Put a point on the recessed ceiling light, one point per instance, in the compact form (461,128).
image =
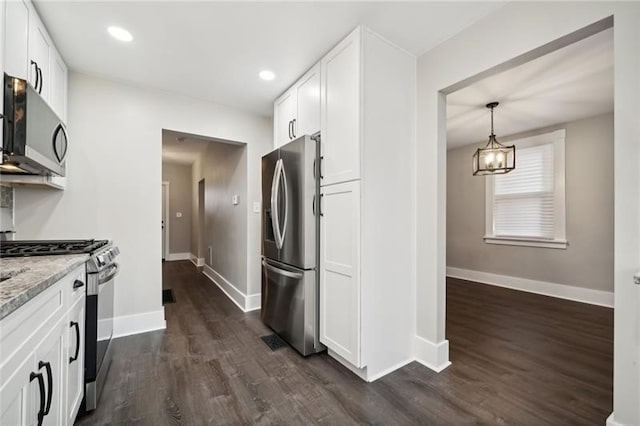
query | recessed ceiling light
(120,33)
(267,75)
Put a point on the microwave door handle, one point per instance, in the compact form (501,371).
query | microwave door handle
(283,174)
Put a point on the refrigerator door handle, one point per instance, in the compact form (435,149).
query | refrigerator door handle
(275,187)
(289,274)
(283,174)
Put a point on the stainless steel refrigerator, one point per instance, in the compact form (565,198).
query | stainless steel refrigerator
(290,243)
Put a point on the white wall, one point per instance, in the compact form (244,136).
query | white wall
(587,262)
(518,30)
(114,174)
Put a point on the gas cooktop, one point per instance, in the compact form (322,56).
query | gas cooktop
(49,247)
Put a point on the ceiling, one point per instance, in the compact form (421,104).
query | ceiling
(185,152)
(569,84)
(214,50)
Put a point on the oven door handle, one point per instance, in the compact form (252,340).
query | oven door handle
(114,271)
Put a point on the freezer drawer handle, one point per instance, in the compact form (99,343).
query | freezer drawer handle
(296,275)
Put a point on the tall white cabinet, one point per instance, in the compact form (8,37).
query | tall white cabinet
(367,302)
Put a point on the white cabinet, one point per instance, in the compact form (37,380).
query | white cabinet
(37,342)
(16,38)
(367,225)
(75,359)
(340,129)
(30,54)
(283,116)
(39,56)
(339,270)
(297,111)
(58,88)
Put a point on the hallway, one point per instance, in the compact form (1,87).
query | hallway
(211,367)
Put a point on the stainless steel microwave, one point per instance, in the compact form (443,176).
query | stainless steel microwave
(35,139)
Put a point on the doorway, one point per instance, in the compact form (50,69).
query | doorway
(164,224)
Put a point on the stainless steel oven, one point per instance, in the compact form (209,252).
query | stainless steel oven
(101,272)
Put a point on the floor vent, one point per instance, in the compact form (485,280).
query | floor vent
(167,296)
(274,342)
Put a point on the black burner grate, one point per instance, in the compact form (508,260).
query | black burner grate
(49,247)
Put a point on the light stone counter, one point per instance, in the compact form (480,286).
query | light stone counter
(30,276)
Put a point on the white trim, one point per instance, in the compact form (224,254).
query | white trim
(178,256)
(167,242)
(562,291)
(127,325)
(434,356)
(528,242)
(197,261)
(245,302)
(611,421)
(374,377)
(360,372)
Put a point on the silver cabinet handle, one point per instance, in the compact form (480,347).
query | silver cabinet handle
(295,275)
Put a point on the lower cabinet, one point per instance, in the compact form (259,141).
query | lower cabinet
(75,359)
(42,357)
(340,302)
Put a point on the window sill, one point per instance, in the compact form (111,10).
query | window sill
(528,242)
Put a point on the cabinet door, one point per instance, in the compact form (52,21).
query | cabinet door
(340,102)
(58,92)
(75,360)
(308,103)
(39,53)
(49,358)
(340,270)
(16,407)
(283,116)
(16,24)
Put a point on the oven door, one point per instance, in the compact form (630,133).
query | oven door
(99,331)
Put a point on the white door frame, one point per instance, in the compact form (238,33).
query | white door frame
(165,249)
(439,73)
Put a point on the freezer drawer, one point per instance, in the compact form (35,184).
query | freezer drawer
(290,305)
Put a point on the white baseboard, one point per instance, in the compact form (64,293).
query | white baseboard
(178,256)
(245,302)
(577,294)
(432,355)
(139,323)
(197,261)
(612,422)
(376,376)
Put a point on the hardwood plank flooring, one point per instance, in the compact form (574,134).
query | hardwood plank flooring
(518,359)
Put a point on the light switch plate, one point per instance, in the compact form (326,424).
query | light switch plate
(256,206)
(235,199)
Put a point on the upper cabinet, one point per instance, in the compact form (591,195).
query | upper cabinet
(16,38)
(297,111)
(341,91)
(31,55)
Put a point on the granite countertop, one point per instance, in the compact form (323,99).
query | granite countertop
(23,278)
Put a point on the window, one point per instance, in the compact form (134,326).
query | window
(527,206)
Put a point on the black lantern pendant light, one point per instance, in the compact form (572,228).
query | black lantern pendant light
(494,158)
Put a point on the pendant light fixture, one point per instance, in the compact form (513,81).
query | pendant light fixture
(494,158)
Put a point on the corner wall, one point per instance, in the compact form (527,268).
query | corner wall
(526,31)
(113,182)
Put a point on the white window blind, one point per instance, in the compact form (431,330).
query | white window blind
(523,204)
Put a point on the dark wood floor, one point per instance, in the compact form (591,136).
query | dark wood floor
(518,359)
